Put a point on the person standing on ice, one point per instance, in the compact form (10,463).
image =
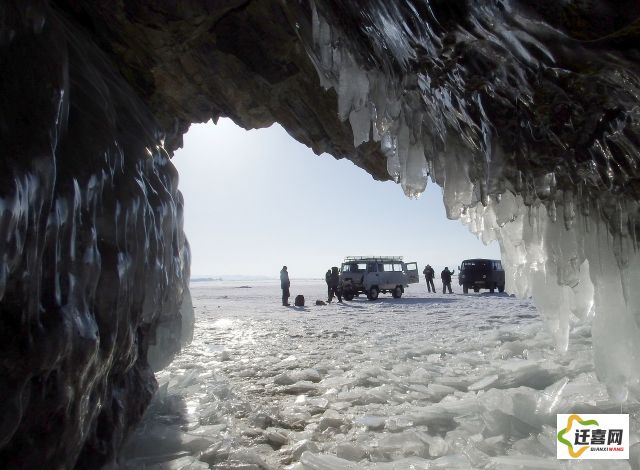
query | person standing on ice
(284,285)
(445,275)
(429,274)
(327,278)
(334,283)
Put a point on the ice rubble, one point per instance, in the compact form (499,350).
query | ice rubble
(578,265)
(433,388)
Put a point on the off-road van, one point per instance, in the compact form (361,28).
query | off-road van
(371,275)
(479,274)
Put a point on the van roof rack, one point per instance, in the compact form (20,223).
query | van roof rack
(373,258)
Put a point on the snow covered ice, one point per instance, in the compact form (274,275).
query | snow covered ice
(429,381)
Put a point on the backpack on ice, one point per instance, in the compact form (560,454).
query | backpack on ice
(299,301)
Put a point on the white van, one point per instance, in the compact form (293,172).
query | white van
(371,275)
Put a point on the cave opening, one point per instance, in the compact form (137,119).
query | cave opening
(256,200)
(253,201)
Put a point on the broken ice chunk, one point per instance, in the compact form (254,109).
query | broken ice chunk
(436,392)
(419,375)
(301,387)
(303,446)
(551,396)
(310,375)
(484,383)
(276,437)
(326,462)
(451,462)
(348,451)
(398,423)
(331,419)
(312,405)
(183,463)
(524,462)
(371,422)
(284,379)
(247,456)
(460,383)
(437,446)
(295,419)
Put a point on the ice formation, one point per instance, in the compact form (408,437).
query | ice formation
(526,113)
(567,236)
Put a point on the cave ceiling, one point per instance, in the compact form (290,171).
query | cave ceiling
(557,82)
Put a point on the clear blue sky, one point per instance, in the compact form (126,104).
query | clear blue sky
(257,200)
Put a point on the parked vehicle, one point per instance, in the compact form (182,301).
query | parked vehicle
(372,275)
(479,274)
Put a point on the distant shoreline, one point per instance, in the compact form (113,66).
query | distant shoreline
(231,278)
(265,278)
(249,279)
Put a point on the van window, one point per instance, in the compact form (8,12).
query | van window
(412,267)
(477,265)
(397,267)
(387,268)
(354,268)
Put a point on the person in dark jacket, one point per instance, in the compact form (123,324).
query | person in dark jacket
(284,285)
(445,275)
(429,274)
(327,278)
(334,285)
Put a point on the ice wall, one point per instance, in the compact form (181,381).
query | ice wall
(93,258)
(531,132)
(173,331)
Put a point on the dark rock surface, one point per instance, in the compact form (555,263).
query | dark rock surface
(538,98)
(193,60)
(93,257)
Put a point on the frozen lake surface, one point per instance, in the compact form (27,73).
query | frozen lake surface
(428,381)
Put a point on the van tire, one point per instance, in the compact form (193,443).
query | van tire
(476,289)
(492,289)
(397,292)
(465,289)
(348,295)
(501,288)
(373,293)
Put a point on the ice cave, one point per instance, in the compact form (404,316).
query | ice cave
(527,115)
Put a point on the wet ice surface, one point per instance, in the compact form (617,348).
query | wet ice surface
(429,381)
